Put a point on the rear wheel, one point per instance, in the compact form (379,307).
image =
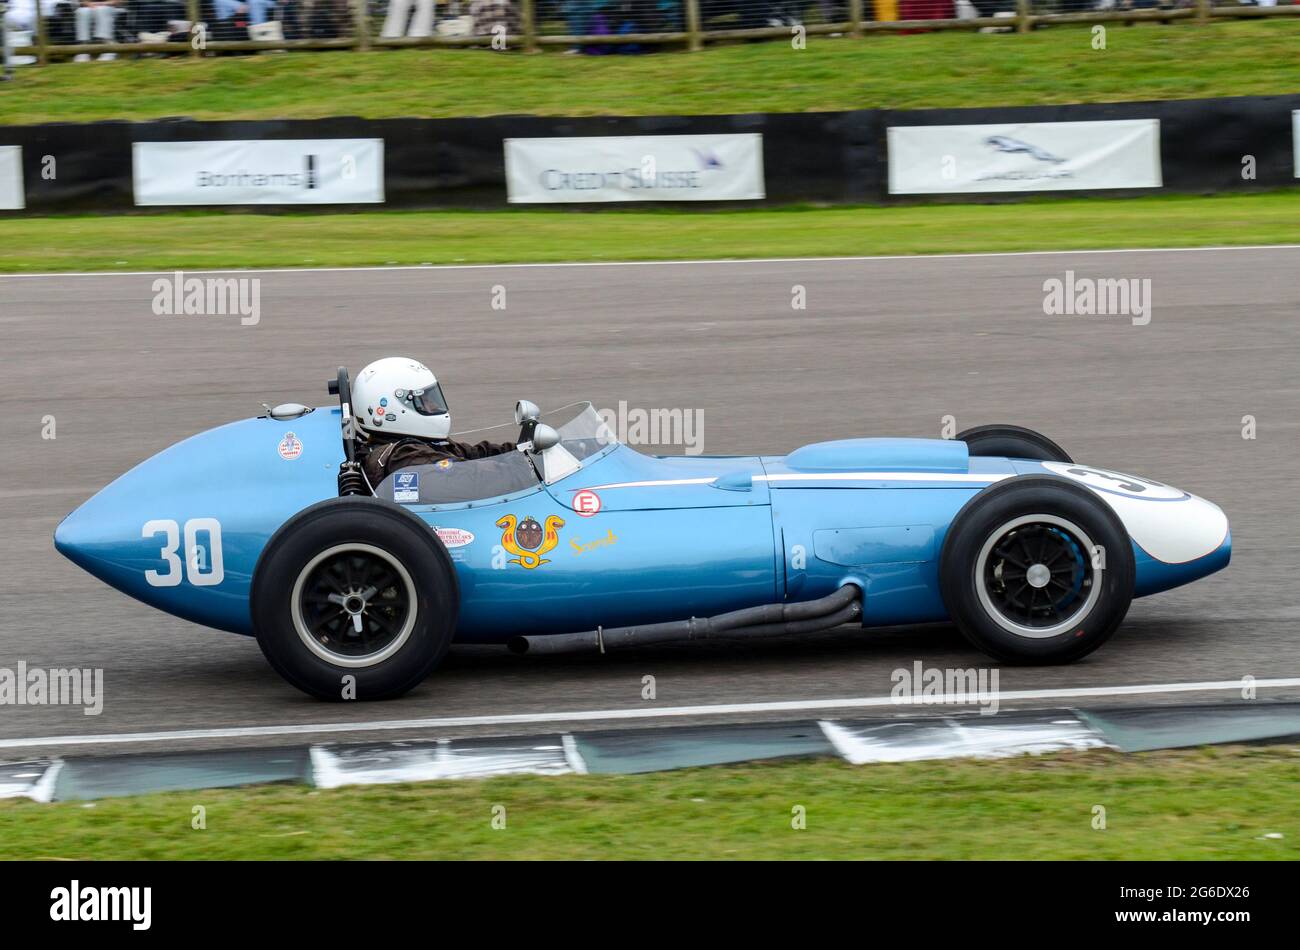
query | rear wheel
(1037,569)
(1012,442)
(354,598)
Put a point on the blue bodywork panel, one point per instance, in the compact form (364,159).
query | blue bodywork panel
(668,538)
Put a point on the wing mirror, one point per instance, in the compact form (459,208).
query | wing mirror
(556,461)
(526,411)
(545,437)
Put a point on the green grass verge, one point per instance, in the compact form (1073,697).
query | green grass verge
(218,240)
(1178,61)
(1205,804)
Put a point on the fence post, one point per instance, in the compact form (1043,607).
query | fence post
(1203,11)
(530,26)
(192,11)
(41,57)
(1023,23)
(361,23)
(693,24)
(855,15)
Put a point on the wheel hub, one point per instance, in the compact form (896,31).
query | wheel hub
(1038,575)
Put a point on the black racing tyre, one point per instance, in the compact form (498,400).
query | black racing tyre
(1014,442)
(1037,570)
(354,587)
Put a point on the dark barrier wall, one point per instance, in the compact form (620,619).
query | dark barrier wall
(825,157)
(449,163)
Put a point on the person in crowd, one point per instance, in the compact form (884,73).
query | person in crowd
(316,19)
(153,16)
(489,15)
(249,12)
(96,22)
(21,14)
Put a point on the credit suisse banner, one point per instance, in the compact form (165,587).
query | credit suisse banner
(725,167)
(1029,156)
(11,178)
(265,172)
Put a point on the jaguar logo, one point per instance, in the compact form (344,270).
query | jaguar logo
(528,541)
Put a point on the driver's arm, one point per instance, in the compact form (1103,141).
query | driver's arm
(480,450)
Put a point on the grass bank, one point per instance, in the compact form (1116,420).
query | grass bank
(1178,61)
(1220,803)
(219,240)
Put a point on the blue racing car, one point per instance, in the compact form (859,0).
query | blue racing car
(269,527)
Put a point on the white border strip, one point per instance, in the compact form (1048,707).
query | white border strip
(43,790)
(670,263)
(572,755)
(867,476)
(662,712)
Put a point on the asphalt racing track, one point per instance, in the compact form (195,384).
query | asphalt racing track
(885,346)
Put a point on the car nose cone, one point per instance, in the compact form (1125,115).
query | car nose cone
(87,534)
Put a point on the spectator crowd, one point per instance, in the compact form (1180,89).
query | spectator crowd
(158,21)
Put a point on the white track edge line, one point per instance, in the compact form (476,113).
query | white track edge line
(665,263)
(662,712)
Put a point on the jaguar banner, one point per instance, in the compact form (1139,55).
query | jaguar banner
(265,172)
(1030,156)
(724,167)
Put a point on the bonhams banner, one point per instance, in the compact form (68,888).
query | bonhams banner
(11,178)
(635,168)
(266,172)
(1031,156)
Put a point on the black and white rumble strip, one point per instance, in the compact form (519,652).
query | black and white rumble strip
(628,751)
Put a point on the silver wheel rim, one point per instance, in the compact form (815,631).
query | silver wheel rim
(1092,576)
(340,659)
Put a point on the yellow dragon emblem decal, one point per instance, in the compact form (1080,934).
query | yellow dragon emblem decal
(528,541)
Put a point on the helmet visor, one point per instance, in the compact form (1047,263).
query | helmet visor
(428,401)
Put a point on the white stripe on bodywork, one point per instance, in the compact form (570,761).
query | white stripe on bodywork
(963,477)
(653,484)
(819,477)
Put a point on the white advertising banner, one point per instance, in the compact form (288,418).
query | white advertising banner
(635,168)
(1295,140)
(11,178)
(1030,156)
(266,172)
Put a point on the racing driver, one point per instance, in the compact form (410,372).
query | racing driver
(404,420)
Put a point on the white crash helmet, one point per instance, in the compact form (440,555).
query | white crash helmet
(400,396)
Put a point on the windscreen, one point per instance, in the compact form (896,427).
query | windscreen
(582,430)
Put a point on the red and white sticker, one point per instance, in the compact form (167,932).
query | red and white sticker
(290,447)
(455,537)
(586,503)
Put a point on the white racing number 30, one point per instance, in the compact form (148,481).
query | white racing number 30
(193,568)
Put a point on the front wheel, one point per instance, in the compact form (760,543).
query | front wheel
(1037,569)
(354,598)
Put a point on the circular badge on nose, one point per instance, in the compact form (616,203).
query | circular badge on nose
(290,447)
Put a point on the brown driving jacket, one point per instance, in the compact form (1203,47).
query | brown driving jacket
(380,457)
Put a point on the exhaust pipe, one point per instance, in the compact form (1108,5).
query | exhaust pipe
(769,620)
